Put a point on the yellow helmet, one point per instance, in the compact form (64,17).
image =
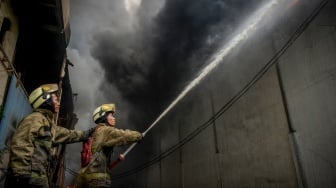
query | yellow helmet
(102,110)
(42,94)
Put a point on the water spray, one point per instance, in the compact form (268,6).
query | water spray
(216,59)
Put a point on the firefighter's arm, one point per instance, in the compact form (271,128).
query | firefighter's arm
(118,137)
(64,135)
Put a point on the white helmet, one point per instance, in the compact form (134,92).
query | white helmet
(42,94)
(102,110)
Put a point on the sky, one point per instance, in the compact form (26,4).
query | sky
(140,54)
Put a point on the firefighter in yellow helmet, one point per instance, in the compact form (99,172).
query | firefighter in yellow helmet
(36,135)
(105,137)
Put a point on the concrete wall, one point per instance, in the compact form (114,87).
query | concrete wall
(9,35)
(11,32)
(255,121)
(308,74)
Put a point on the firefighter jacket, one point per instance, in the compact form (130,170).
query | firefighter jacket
(105,137)
(31,146)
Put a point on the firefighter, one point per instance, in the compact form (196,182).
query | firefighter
(105,137)
(35,138)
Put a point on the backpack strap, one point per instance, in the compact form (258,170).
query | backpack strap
(95,155)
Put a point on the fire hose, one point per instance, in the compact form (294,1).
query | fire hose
(122,156)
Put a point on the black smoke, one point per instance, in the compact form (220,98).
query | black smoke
(151,65)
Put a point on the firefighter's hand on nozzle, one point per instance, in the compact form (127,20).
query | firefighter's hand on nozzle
(121,157)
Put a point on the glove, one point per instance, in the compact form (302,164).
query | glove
(142,136)
(88,133)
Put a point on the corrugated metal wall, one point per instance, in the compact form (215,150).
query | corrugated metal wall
(16,107)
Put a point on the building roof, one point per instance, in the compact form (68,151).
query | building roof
(44,33)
